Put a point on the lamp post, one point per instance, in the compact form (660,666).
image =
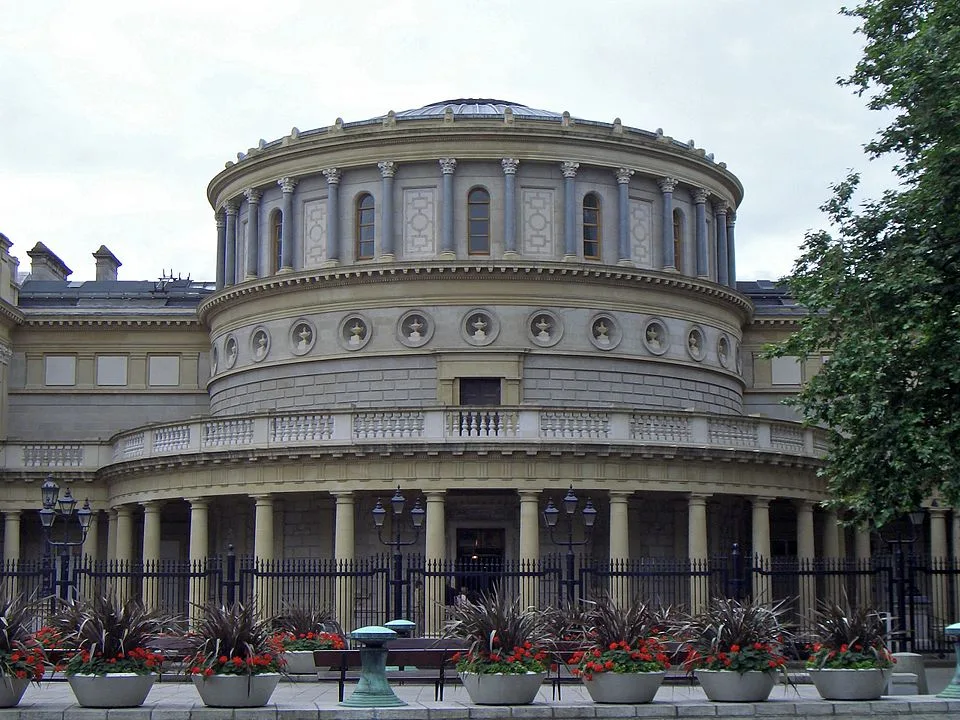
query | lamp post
(65,508)
(551,515)
(417,515)
(900,570)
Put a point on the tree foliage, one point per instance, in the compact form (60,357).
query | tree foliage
(883,285)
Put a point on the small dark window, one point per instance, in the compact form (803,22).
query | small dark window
(677,239)
(365,226)
(480,391)
(276,240)
(478,222)
(591,226)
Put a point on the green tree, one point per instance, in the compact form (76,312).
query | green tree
(883,285)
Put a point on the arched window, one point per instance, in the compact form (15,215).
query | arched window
(478,222)
(592,231)
(365,226)
(678,239)
(276,241)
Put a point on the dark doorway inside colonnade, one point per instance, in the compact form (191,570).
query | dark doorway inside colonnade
(479,561)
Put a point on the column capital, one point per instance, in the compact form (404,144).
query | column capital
(342,494)
(332,175)
(761,501)
(252,195)
(698,498)
(805,505)
(435,495)
(527,494)
(220,219)
(731,217)
(667,184)
(624,495)
(152,505)
(624,175)
(388,168)
(230,207)
(938,512)
(287,184)
(122,510)
(700,196)
(509,166)
(448,165)
(720,206)
(263,499)
(569,168)
(198,502)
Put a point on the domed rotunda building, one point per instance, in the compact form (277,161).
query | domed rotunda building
(478,302)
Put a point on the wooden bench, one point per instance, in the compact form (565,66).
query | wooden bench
(416,659)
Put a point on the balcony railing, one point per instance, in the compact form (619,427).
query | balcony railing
(519,425)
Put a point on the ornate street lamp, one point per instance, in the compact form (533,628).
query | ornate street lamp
(54,507)
(551,517)
(417,515)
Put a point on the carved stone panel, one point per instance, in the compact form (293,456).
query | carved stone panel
(419,223)
(641,233)
(538,226)
(314,233)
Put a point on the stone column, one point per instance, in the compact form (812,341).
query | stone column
(287,242)
(151,552)
(509,166)
(252,254)
(111,535)
(761,547)
(806,553)
(940,560)
(263,553)
(344,549)
(667,186)
(433,614)
(221,247)
(388,169)
(333,216)
(529,545)
(124,547)
(698,550)
(448,250)
(92,542)
(832,554)
(199,551)
(731,251)
(863,554)
(570,250)
(703,263)
(723,268)
(11,547)
(623,211)
(230,250)
(619,546)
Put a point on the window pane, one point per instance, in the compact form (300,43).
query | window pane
(479,211)
(478,196)
(591,234)
(479,227)
(591,249)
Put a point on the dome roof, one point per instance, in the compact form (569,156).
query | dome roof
(476,106)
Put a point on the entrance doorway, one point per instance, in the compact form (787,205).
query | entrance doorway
(479,560)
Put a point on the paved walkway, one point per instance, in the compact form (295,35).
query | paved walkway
(318,701)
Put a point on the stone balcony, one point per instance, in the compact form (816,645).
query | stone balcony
(522,428)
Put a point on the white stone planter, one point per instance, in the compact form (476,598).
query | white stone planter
(733,686)
(236,690)
(851,684)
(629,688)
(502,689)
(299,662)
(113,690)
(11,690)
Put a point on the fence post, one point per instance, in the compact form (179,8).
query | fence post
(230,581)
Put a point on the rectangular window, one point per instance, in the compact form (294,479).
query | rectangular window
(163,371)
(480,391)
(111,370)
(60,370)
(785,371)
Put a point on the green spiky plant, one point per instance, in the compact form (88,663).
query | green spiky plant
(848,638)
(234,641)
(505,637)
(305,628)
(21,656)
(110,636)
(737,635)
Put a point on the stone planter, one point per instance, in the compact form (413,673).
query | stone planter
(733,686)
(851,684)
(299,662)
(113,690)
(629,688)
(233,691)
(502,689)
(12,690)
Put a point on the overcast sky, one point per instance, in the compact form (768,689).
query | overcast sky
(114,116)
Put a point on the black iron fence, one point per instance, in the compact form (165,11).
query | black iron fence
(918,595)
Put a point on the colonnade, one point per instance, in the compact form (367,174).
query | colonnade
(257,253)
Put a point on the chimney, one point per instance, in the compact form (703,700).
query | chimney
(107,264)
(44,265)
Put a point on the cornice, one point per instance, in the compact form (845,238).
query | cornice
(366,274)
(9,314)
(48,319)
